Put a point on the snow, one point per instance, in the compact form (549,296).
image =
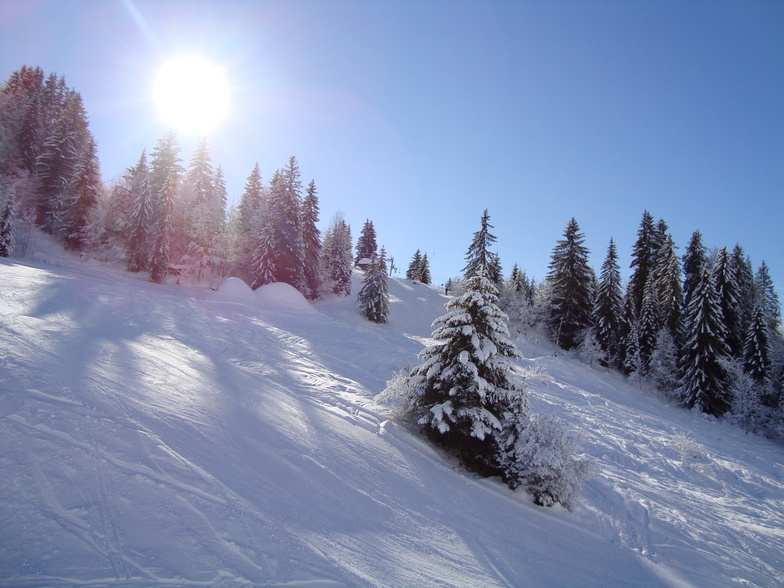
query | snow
(167,435)
(234,290)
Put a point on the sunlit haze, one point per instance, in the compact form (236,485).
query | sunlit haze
(419,115)
(191,94)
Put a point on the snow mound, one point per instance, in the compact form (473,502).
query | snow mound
(235,290)
(282,297)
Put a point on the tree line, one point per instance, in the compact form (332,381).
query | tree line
(163,217)
(703,328)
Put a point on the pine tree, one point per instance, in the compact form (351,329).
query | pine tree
(7,224)
(702,375)
(667,288)
(571,283)
(412,273)
(423,271)
(337,259)
(647,327)
(366,243)
(204,214)
(724,280)
(21,121)
(264,258)
(251,201)
(373,297)
(643,257)
(141,221)
(694,261)
(744,278)
(467,388)
(608,306)
(772,307)
(663,364)
(85,196)
(479,257)
(494,270)
(311,242)
(756,349)
(283,209)
(58,165)
(159,261)
(165,173)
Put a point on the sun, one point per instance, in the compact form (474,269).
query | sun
(192,94)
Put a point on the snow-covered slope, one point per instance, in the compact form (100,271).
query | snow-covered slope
(163,435)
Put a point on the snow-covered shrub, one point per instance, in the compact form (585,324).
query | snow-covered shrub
(690,449)
(544,459)
(400,399)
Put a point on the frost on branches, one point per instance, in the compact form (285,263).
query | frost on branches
(473,403)
(467,386)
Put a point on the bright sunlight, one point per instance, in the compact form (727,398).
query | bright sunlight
(191,94)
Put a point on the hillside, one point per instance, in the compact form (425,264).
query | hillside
(171,436)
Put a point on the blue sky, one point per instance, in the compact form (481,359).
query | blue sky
(419,115)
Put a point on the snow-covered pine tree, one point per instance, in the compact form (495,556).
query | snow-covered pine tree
(283,209)
(647,326)
(165,170)
(702,381)
(756,349)
(336,256)
(494,271)
(159,261)
(468,390)
(414,266)
(59,163)
(423,271)
(203,214)
(248,226)
(772,306)
(479,257)
(21,120)
(264,257)
(744,278)
(725,281)
(165,173)
(251,201)
(7,222)
(643,258)
(663,363)
(366,242)
(608,306)
(141,221)
(667,285)
(572,284)
(85,194)
(311,242)
(221,249)
(694,261)
(373,297)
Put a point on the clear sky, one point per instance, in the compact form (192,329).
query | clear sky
(419,115)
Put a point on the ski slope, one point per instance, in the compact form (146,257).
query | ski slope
(163,435)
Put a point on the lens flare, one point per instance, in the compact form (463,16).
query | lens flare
(191,94)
